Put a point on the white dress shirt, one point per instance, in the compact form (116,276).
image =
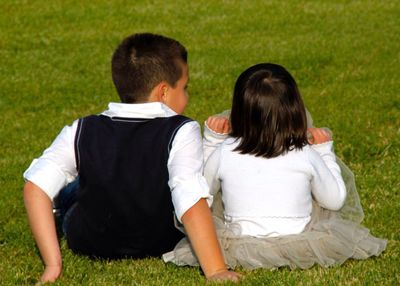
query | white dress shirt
(57,166)
(271,197)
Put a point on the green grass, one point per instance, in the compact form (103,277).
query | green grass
(345,56)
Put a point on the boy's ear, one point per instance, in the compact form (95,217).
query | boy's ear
(160,92)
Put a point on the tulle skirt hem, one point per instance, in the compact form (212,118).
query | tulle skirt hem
(330,238)
(329,242)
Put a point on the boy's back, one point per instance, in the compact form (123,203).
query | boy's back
(124,206)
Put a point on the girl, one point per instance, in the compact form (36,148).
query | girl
(283,195)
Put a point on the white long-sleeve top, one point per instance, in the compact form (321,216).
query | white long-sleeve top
(56,167)
(272,197)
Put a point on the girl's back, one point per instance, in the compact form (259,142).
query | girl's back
(269,197)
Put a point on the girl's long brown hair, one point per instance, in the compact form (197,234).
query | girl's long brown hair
(268,114)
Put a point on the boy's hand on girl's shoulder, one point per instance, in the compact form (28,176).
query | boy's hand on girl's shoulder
(219,124)
(224,276)
(318,135)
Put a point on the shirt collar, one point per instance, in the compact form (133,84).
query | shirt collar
(138,110)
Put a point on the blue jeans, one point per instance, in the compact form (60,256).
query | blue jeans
(65,203)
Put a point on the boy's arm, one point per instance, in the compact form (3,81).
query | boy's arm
(40,214)
(44,178)
(200,229)
(189,193)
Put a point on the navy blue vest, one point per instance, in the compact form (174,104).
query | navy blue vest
(124,206)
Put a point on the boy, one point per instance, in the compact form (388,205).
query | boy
(137,163)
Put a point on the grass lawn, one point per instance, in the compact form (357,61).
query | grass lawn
(345,56)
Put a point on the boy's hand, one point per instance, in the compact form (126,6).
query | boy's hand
(219,124)
(200,229)
(51,273)
(318,135)
(225,275)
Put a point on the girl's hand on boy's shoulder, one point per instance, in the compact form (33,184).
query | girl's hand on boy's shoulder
(318,135)
(218,124)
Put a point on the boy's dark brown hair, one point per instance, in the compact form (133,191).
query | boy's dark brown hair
(144,60)
(268,114)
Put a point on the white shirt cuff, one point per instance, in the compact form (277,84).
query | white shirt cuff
(47,176)
(212,136)
(323,148)
(187,192)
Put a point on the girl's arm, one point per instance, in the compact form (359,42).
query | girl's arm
(327,183)
(216,130)
(40,214)
(211,168)
(200,229)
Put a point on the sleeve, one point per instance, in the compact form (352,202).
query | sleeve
(56,167)
(211,141)
(185,167)
(211,171)
(327,184)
